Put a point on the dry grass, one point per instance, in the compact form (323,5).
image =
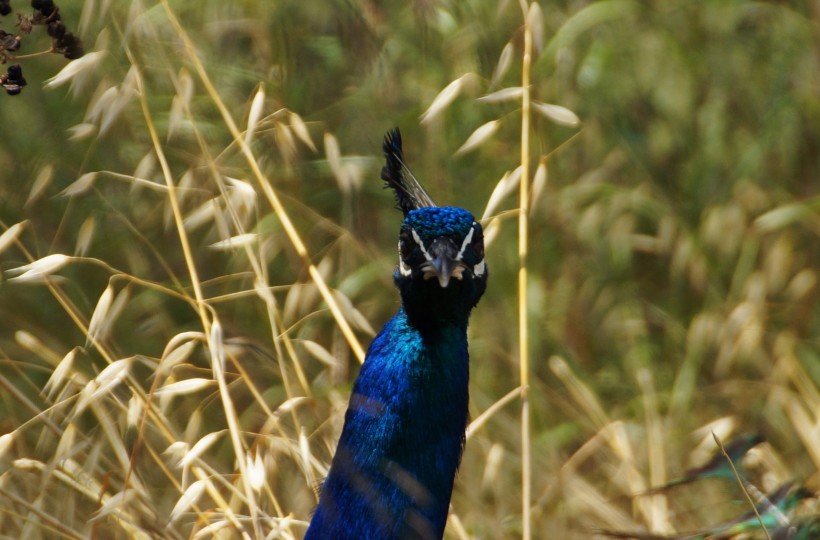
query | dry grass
(188,285)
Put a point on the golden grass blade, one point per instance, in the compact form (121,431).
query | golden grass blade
(145,169)
(82,131)
(199,448)
(120,99)
(300,129)
(177,450)
(505,94)
(491,231)
(482,419)
(257,107)
(492,466)
(478,137)
(285,141)
(113,503)
(58,376)
(535,24)
(352,314)
(38,187)
(189,498)
(11,235)
(334,160)
(235,242)
(304,453)
(202,215)
(85,236)
(108,379)
(212,530)
(320,353)
(256,471)
(65,448)
(444,98)
(539,184)
(723,427)
(99,315)
(801,285)
(188,386)
(40,268)
(32,343)
(135,412)
(457,526)
(177,351)
(113,374)
(79,186)
(76,70)
(242,196)
(503,66)
(558,114)
(508,183)
(787,215)
(6,440)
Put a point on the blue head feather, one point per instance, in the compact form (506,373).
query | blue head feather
(432,222)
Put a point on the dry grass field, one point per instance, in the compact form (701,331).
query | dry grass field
(196,249)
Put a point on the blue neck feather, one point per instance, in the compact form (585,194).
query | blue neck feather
(394,468)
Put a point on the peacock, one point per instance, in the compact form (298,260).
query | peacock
(393,470)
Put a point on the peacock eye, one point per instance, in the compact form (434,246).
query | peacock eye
(406,245)
(478,245)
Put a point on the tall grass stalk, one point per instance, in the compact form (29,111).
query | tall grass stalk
(523,305)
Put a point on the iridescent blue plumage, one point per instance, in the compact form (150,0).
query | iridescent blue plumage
(440,221)
(394,468)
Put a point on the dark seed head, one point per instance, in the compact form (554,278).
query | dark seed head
(56,29)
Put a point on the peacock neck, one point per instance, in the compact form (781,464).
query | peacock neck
(439,323)
(393,471)
(435,400)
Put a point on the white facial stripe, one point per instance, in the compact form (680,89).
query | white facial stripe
(429,272)
(478,270)
(403,268)
(420,244)
(466,242)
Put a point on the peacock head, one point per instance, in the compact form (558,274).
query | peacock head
(441,244)
(441,273)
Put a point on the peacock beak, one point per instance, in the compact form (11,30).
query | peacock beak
(443,263)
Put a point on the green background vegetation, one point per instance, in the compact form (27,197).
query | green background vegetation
(673,268)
